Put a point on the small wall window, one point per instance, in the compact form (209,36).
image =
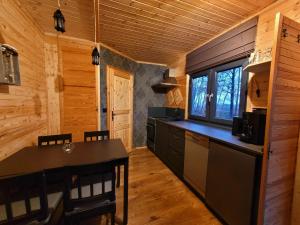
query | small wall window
(218,94)
(9,65)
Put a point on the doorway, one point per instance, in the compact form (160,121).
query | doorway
(120,105)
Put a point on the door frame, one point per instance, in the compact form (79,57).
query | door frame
(109,74)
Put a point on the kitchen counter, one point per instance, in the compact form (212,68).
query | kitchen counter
(217,133)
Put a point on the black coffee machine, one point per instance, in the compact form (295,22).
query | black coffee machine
(251,127)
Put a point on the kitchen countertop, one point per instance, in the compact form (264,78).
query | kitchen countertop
(217,133)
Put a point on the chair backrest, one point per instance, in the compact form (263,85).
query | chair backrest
(89,183)
(54,139)
(23,199)
(96,135)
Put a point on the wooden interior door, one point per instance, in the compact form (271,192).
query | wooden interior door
(120,96)
(79,98)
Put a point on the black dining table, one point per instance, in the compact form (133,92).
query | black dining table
(54,158)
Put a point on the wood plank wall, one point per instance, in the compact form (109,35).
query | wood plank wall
(54,84)
(174,100)
(283,123)
(72,85)
(265,30)
(23,109)
(179,72)
(79,102)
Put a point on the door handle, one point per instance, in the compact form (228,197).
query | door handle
(210,97)
(112,115)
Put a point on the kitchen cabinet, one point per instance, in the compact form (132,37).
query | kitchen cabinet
(169,146)
(232,184)
(195,161)
(227,176)
(176,145)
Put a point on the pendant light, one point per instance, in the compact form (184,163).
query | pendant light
(95,53)
(95,56)
(59,19)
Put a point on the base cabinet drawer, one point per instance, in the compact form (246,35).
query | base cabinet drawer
(169,146)
(176,139)
(175,161)
(176,145)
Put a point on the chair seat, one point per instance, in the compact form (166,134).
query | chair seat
(36,223)
(19,209)
(93,209)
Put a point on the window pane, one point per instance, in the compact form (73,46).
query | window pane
(199,91)
(228,90)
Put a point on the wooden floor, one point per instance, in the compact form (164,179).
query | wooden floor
(158,197)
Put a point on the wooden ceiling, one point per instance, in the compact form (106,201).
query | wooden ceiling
(157,31)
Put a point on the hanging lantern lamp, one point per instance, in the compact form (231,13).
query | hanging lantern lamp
(95,56)
(59,20)
(95,53)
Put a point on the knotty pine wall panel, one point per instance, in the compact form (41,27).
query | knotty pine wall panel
(264,39)
(79,101)
(265,27)
(23,109)
(171,95)
(54,82)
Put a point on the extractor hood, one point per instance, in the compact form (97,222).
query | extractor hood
(166,84)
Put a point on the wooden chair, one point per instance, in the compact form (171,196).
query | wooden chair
(99,136)
(96,135)
(23,200)
(54,139)
(55,181)
(90,192)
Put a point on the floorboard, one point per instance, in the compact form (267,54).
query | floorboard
(158,197)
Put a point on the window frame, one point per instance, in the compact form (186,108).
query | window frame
(212,89)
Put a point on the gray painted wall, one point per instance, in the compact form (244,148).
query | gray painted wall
(144,76)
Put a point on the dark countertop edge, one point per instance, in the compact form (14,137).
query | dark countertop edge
(246,147)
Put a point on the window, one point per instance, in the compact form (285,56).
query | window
(198,95)
(218,94)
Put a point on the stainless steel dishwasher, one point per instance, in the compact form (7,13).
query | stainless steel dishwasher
(195,161)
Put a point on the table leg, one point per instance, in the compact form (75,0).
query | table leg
(118,176)
(125,212)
